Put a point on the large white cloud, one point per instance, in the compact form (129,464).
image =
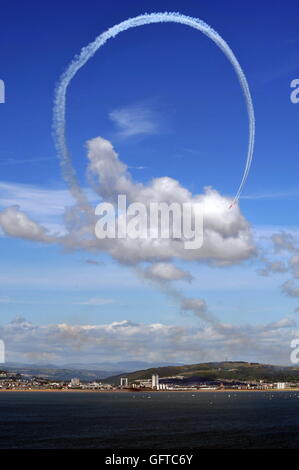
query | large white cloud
(227,235)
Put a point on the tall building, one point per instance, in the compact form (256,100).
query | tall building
(155,381)
(75,382)
(124,381)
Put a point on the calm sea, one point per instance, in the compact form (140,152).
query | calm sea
(149,420)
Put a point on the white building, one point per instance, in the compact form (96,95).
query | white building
(75,382)
(162,387)
(124,382)
(155,381)
(281,385)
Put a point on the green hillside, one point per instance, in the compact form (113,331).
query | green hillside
(238,371)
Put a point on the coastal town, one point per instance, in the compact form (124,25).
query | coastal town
(12,381)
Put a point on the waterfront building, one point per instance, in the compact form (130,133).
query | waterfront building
(155,381)
(124,382)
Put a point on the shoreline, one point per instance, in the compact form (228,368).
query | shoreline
(148,391)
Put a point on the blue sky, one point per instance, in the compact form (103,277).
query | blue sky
(170,103)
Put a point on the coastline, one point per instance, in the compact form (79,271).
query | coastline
(148,391)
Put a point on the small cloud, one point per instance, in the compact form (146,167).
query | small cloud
(134,120)
(94,262)
(137,167)
(289,288)
(166,272)
(273,267)
(96,301)
(19,320)
(283,242)
(5,300)
(16,223)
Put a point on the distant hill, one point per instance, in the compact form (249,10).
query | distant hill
(208,372)
(125,366)
(53,373)
(82,371)
(217,371)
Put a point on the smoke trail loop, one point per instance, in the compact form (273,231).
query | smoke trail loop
(59,118)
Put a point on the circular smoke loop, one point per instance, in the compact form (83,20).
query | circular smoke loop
(59,119)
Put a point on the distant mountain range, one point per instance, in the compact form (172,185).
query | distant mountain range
(91,371)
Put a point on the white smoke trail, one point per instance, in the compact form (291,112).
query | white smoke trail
(59,121)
